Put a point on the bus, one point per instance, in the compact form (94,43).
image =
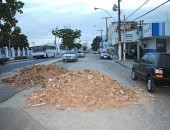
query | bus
(43,51)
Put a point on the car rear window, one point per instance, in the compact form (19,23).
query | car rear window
(164,60)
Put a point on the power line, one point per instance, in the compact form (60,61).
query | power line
(137,9)
(152,9)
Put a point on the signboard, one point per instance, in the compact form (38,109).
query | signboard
(147,30)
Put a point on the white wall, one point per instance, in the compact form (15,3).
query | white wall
(151,44)
(131,36)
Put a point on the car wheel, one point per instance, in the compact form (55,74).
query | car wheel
(64,60)
(2,62)
(133,75)
(150,85)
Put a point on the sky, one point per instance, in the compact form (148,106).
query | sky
(40,17)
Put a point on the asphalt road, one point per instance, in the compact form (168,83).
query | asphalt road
(10,66)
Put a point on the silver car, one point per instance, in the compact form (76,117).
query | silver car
(104,55)
(70,56)
(81,54)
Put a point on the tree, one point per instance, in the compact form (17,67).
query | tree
(96,43)
(78,46)
(84,48)
(68,36)
(8,29)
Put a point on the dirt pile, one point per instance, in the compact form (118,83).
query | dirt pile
(86,90)
(35,75)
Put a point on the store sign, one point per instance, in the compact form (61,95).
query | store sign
(129,37)
(147,30)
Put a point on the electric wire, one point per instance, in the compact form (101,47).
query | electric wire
(152,10)
(138,9)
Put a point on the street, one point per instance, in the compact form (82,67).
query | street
(10,66)
(148,116)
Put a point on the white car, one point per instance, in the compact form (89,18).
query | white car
(104,55)
(70,56)
(81,54)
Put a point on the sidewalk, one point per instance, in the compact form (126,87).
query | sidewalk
(128,63)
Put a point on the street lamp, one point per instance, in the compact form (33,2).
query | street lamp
(95,8)
(117,8)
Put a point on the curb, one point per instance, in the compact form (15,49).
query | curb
(119,62)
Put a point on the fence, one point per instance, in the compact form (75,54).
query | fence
(12,53)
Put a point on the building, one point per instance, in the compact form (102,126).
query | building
(156,37)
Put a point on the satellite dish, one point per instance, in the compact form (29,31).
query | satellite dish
(114,7)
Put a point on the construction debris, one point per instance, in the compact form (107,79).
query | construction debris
(36,75)
(87,90)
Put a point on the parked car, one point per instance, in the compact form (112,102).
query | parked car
(95,52)
(104,54)
(154,68)
(81,54)
(3,59)
(70,56)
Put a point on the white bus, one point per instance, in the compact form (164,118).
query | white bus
(43,51)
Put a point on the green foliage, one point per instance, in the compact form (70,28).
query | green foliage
(96,43)
(8,28)
(78,46)
(68,36)
(84,48)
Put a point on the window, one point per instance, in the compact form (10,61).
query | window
(144,58)
(150,59)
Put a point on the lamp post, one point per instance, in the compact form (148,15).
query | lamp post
(95,8)
(117,8)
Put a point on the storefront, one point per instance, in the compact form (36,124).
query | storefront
(156,37)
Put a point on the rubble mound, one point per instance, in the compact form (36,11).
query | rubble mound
(87,90)
(35,75)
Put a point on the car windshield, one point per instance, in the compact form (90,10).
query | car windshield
(69,52)
(164,60)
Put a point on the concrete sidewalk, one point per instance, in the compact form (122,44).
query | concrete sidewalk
(128,63)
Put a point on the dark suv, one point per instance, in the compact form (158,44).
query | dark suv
(153,68)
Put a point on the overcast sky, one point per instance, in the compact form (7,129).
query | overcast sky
(41,16)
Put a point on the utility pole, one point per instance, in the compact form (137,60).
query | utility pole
(119,32)
(124,44)
(106,27)
(101,37)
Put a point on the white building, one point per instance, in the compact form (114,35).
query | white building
(156,37)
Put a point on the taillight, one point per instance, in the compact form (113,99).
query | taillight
(159,73)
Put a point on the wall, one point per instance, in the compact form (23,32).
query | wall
(168,45)
(151,44)
(131,36)
(167,28)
